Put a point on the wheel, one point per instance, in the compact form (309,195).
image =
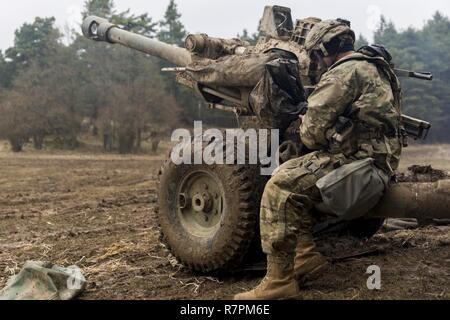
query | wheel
(209,215)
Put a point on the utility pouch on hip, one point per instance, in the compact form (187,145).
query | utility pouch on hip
(351,191)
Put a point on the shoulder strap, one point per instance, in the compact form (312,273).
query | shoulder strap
(383,66)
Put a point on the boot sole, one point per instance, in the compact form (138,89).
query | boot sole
(294,297)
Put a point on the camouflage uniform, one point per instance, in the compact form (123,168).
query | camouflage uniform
(354,114)
(353,86)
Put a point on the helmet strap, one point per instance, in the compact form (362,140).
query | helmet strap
(324,50)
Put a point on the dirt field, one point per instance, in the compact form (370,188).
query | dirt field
(97,212)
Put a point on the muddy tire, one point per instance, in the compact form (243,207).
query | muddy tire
(209,215)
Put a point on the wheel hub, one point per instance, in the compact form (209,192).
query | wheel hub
(200,203)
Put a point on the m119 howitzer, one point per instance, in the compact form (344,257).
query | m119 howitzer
(200,48)
(209,214)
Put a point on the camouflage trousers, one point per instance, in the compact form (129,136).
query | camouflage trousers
(288,199)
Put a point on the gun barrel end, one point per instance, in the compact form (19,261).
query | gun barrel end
(424,76)
(96,28)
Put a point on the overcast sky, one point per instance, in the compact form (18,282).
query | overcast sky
(227,18)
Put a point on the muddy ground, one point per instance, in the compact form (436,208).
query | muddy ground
(97,211)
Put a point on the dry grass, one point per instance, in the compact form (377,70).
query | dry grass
(97,211)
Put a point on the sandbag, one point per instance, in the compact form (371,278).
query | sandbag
(44,281)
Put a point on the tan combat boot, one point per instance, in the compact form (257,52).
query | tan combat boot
(279,283)
(309,264)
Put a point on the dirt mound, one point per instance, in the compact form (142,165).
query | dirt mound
(418,173)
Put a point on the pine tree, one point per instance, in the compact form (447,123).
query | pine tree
(101,8)
(172,29)
(361,41)
(141,24)
(386,32)
(33,43)
(7,72)
(426,49)
(250,38)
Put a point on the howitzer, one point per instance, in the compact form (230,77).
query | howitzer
(209,214)
(201,48)
(99,29)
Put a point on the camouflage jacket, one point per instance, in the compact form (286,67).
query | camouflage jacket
(356,89)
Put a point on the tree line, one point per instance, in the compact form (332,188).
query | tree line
(51,92)
(424,49)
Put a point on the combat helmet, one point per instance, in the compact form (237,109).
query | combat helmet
(327,32)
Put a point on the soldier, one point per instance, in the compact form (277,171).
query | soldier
(353,114)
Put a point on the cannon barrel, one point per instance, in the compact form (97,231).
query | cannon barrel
(99,29)
(429,200)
